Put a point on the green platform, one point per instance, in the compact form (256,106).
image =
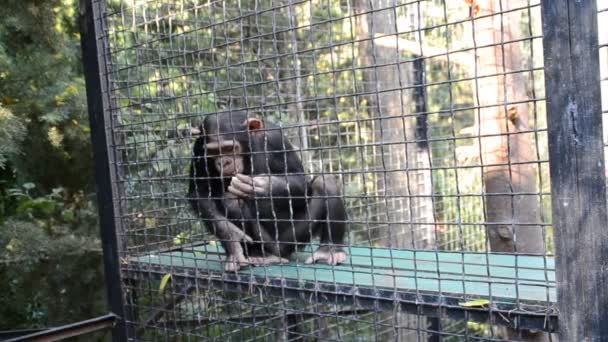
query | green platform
(498,277)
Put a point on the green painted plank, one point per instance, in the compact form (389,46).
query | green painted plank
(446,272)
(450,263)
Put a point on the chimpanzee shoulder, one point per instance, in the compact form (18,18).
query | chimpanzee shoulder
(279,155)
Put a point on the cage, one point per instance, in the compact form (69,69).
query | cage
(437,120)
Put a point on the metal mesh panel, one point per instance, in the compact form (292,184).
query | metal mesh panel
(431,117)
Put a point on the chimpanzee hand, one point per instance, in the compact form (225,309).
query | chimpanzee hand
(331,255)
(245,186)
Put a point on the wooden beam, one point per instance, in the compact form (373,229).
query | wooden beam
(576,151)
(391,41)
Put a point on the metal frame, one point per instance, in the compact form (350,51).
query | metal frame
(430,305)
(69,330)
(577,174)
(94,53)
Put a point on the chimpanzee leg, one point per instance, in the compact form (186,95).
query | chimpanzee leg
(333,229)
(333,221)
(325,216)
(265,250)
(301,229)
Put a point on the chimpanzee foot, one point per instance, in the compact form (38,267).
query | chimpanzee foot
(234,263)
(267,260)
(328,255)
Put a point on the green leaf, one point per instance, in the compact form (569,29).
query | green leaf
(47,207)
(56,192)
(29,186)
(475,303)
(68,215)
(178,240)
(163,283)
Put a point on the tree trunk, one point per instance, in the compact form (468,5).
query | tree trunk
(512,218)
(403,173)
(403,165)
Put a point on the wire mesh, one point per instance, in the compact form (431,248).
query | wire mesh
(430,115)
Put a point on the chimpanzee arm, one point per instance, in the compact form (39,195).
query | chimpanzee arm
(277,186)
(203,202)
(288,186)
(230,236)
(276,172)
(220,225)
(228,233)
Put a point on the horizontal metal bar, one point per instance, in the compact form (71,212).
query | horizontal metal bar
(70,330)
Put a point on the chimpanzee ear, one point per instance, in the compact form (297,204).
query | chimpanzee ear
(254,124)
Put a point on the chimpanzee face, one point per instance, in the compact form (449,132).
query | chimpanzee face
(226,156)
(224,141)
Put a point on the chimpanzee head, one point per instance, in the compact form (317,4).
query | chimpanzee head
(227,141)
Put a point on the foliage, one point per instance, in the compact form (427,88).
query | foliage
(11,134)
(50,259)
(42,85)
(45,246)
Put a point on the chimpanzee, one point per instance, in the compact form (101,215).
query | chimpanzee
(248,185)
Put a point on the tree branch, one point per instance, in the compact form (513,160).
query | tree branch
(462,58)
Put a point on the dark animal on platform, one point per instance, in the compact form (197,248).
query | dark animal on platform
(248,185)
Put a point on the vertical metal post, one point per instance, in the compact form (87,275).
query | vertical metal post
(96,77)
(420,103)
(433,324)
(578,184)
